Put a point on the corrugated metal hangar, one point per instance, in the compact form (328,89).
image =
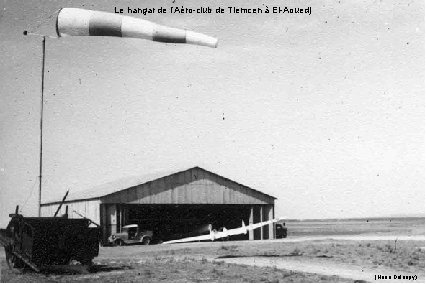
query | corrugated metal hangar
(177,202)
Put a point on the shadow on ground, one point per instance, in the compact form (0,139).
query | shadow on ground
(264,255)
(80,269)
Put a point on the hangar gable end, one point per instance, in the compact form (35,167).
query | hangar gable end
(192,186)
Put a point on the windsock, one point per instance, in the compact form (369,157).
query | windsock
(81,22)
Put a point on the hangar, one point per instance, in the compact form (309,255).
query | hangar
(178,202)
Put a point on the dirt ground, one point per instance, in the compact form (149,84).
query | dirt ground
(315,251)
(323,260)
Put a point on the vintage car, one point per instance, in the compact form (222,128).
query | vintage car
(131,234)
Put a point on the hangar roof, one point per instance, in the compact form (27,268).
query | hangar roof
(133,181)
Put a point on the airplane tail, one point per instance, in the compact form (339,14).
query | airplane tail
(212,233)
(244,227)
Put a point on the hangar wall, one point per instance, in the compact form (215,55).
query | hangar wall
(87,208)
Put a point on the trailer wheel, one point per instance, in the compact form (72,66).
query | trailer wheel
(8,252)
(13,261)
(119,243)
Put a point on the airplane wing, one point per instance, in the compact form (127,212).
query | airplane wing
(190,239)
(214,235)
(258,225)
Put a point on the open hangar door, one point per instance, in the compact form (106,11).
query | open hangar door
(176,221)
(183,220)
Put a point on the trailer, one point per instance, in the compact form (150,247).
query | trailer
(41,242)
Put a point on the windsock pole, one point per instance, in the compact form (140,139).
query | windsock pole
(41,122)
(43,63)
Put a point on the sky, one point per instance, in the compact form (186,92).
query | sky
(323,111)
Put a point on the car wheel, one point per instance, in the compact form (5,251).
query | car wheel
(146,241)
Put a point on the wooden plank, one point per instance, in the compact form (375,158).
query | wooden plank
(195,174)
(179,179)
(261,220)
(139,194)
(270,209)
(171,192)
(147,193)
(251,233)
(188,177)
(199,175)
(103,222)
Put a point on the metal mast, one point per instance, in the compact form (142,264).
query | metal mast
(41,123)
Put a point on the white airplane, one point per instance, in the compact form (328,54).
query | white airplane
(214,235)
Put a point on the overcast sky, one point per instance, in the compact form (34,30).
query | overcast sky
(324,111)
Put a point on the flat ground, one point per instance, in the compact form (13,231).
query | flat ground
(338,257)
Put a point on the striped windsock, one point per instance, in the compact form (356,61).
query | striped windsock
(80,22)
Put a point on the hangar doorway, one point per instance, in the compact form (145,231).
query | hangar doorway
(175,221)
(170,221)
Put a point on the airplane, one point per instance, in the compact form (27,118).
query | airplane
(214,234)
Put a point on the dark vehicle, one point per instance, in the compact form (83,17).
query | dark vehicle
(39,242)
(131,234)
(280,230)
